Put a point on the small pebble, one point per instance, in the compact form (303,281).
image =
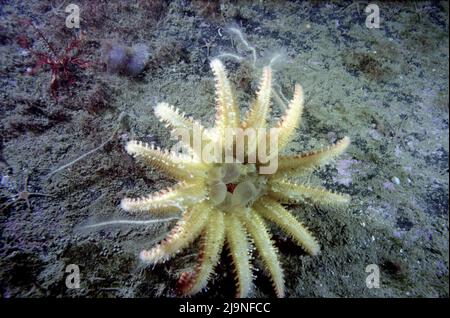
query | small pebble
(5,180)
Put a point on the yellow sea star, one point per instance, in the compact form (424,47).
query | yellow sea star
(231,202)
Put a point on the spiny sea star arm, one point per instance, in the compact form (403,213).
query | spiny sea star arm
(293,165)
(176,120)
(275,212)
(227,113)
(183,234)
(238,244)
(265,246)
(168,200)
(290,121)
(290,192)
(257,114)
(212,242)
(175,165)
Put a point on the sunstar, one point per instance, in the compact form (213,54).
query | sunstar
(231,202)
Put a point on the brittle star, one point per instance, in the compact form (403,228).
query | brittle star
(25,195)
(208,45)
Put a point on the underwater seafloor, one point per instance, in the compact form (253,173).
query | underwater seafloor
(386,88)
